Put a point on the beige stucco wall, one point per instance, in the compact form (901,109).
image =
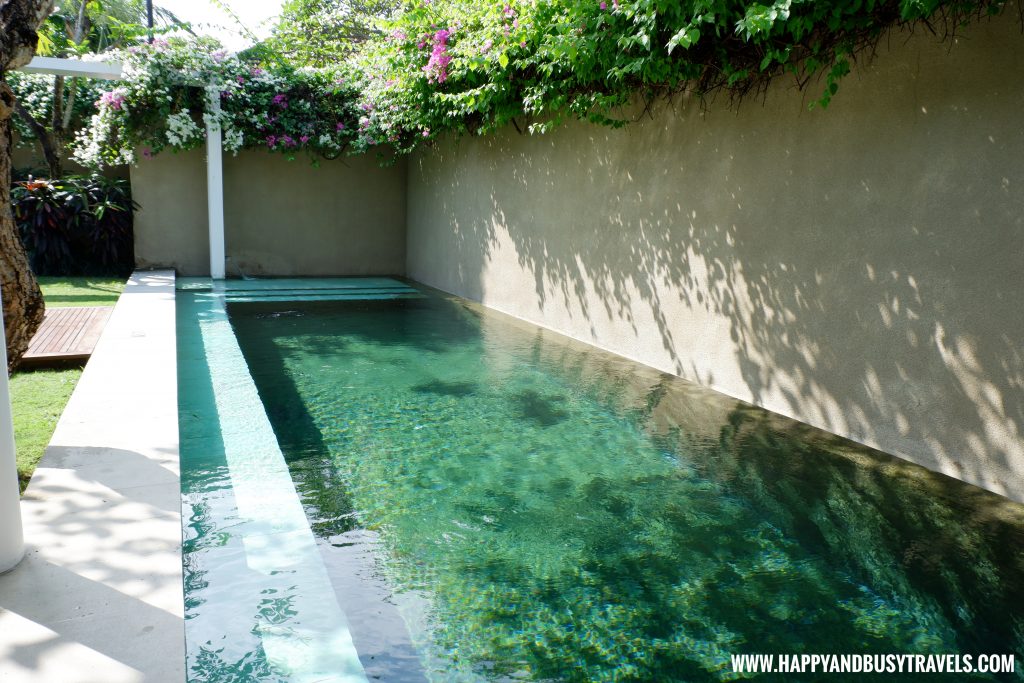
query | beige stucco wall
(345,217)
(170,223)
(858,268)
(28,155)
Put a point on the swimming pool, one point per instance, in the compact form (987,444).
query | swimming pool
(381,482)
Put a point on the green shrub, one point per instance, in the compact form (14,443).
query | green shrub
(79,225)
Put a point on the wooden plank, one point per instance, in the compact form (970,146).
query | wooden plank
(74,340)
(92,333)
(46,331)
(69,333)
(65,322)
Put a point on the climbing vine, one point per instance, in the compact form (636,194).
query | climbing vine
(465,66)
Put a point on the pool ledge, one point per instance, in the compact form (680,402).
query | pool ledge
(98,596)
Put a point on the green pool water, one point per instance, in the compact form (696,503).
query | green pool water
(493,502)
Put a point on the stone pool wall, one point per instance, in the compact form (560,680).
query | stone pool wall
(344,217)
(859,268)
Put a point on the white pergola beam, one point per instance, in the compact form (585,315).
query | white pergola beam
(73,68)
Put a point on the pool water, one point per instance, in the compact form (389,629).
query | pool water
(488,501)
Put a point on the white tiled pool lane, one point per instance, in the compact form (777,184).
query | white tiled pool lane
(269,549)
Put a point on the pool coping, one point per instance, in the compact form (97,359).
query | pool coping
(98,597)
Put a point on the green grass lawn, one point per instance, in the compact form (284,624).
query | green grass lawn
(81,291)
(38,397)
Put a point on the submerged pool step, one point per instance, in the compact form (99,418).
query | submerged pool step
(344,289)
(325,297)
(348,294)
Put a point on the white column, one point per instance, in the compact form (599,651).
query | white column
(215,184)
(12,539)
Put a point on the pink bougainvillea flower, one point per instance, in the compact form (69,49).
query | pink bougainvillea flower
(604,5)
(271,140)
(437,66)
(426,132)
(281,100)
(339,126)
(304,139)
(112,99)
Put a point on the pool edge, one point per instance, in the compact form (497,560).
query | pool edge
(99,594)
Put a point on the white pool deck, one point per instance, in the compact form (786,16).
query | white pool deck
(98,597)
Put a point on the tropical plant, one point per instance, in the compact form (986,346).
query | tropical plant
(320,32)
(160,104)
(23,305)
(50,108)
(469,66)
(465,66)
(77,225)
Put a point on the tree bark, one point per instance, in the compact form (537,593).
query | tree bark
(51,152)
(22,300)
(57,141)
(19,290)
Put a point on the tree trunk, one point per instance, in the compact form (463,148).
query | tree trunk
(22,300)
(54,161)
(47,144)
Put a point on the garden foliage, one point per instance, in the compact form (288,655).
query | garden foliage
(50,108)
(467,66)
(78,225)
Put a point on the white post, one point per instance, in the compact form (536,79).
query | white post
(12,539)
(215,183)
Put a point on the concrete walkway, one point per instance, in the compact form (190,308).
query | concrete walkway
(98,597)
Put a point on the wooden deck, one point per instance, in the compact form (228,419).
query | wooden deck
(67,334)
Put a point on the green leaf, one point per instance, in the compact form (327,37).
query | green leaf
(684,38)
